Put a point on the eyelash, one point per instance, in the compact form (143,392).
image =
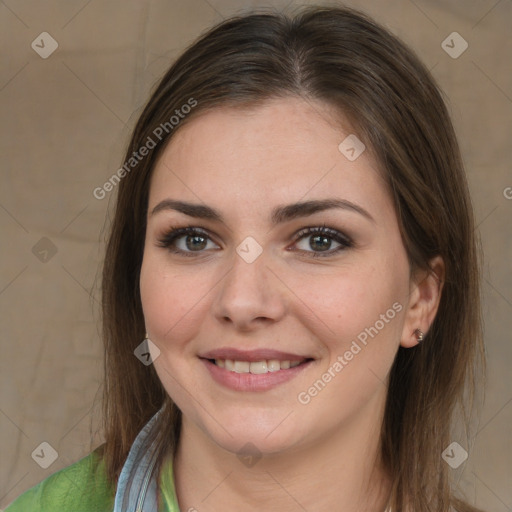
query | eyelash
(170,237)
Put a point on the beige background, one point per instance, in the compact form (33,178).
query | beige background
(65,122)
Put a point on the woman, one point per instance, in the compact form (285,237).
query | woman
(290,287)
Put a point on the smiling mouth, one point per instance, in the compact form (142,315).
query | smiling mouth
(257,367)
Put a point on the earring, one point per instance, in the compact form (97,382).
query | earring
(419,335)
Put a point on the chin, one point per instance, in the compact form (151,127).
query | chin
(263,435)
(254,443)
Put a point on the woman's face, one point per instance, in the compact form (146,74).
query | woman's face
(311,320)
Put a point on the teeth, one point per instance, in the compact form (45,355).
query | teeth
(256,367)
(242,366)
(274,365)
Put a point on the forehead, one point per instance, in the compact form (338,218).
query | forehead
(284,150)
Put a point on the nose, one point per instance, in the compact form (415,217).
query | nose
(250,295)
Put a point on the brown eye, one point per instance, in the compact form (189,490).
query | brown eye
(185,241)
(320,239)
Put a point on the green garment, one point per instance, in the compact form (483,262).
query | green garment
(83,487)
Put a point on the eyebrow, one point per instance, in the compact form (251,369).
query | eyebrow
(280,214)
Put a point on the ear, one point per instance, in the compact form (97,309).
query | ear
(424,298)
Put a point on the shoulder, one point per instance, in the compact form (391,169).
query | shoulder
(80,487)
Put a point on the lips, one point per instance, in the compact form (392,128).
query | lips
(254,361)
(253,370)
(253,355)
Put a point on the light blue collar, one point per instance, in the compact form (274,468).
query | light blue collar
(137,486)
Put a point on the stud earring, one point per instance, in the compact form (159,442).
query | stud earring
(419,335)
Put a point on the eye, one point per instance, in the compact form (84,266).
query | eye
(192,241)
(185,241)
(320,240)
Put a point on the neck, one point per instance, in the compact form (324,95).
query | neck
(340,471)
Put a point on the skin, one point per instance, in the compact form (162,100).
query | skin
(323,455)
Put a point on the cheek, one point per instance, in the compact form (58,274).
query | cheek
(349,301)
(170,301)
(363,305)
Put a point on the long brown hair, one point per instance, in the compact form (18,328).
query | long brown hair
(343,58)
